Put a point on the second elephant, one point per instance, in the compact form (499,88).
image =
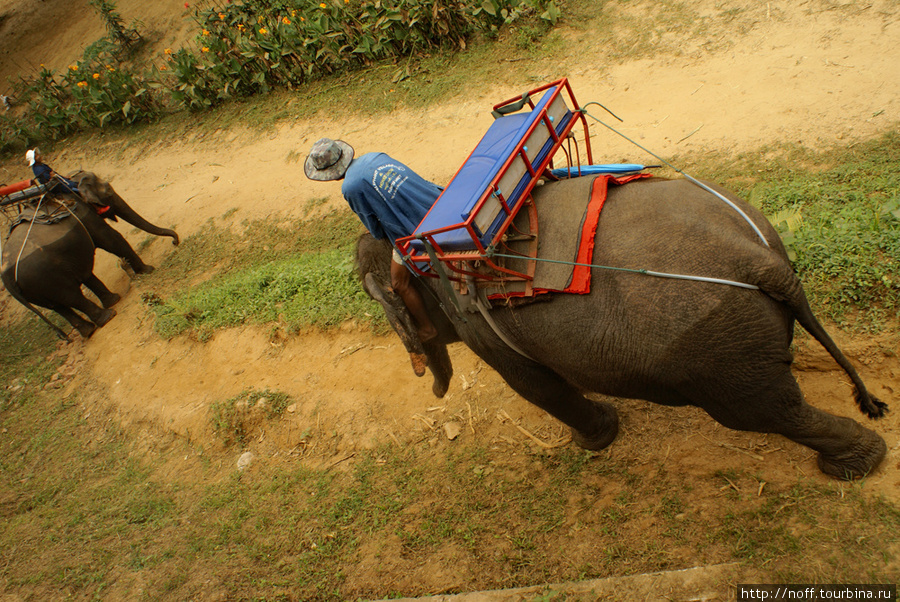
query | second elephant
(47,260)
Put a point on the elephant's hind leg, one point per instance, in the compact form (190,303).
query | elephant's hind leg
(84,327)
(75,299)
(847,450)
(594,424)
(106,296)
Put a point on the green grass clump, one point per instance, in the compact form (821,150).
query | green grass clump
(234,419)
(313,289)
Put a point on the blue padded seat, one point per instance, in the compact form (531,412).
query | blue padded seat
(481,170)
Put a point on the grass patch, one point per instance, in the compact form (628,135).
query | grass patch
(104,516)
(839,215)
(296,275)
(313,289)
(234,419)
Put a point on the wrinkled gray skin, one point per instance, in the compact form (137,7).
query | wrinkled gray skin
(674,342)
(58,258)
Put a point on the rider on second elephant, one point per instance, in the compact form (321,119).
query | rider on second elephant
(389,198)
(43,174)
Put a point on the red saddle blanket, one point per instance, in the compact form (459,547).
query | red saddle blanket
(568,213)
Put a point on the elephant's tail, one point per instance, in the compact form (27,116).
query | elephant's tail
(793,296)
(13,287)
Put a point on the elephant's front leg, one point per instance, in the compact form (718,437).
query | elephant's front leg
(594,424)
(110,240)
(106,296)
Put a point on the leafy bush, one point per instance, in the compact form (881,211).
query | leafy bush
(245,49)
(249,48)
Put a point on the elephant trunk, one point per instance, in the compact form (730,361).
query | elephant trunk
(123,210)
(98,192)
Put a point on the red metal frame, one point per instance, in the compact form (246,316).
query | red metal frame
(455,260)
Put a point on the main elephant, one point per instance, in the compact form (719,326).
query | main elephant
(722,348)
(46,261)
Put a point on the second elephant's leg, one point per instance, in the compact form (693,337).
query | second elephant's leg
(106,296)
(71,298)
(110,240)
(84,328)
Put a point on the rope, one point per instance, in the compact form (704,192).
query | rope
(635,271)
(34,218)
(27,234)
(677,170)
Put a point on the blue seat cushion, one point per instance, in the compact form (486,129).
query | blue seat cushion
(455,205)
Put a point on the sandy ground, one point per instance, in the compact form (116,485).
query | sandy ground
(811,72)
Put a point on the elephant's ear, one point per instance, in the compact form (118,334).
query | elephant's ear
(399,319)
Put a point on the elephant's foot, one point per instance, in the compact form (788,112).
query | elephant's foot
(604,430)
(105,316)
(86,330)
(110,300)
(857,459)
(135,267)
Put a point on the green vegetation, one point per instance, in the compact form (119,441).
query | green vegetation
(839,215)
(295,277)
(233,419)
(245,49)
(174,527)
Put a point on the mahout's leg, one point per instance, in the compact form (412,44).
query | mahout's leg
(440,365)
(106,296)
(847,450)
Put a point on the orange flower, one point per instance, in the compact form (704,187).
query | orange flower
(163,68)
(205,49)
(96,76)
(168,51)
(73,67)
(206,32)
(222,16)
(285,20)
(82,84)
(322,5)
(263,30)
(293,13)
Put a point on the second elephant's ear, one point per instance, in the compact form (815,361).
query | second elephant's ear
(88,187)
(400,320)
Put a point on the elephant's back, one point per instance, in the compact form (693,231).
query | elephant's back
(633,325)
(42,246)
(677,225)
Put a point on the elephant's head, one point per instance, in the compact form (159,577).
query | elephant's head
(373,259)
(100,194)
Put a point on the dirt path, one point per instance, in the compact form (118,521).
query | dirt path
(749,74)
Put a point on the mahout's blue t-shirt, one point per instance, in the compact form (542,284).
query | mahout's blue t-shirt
(389,198)
(43,173)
